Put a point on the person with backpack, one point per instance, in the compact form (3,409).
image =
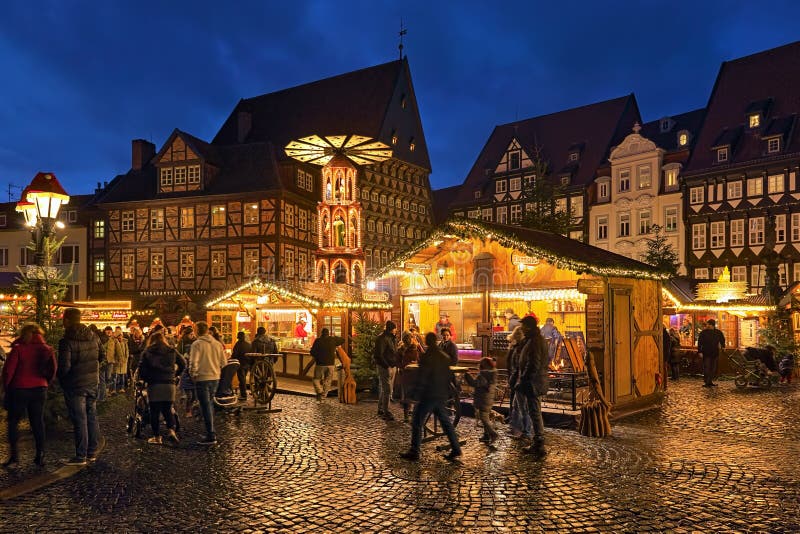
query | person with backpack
(324,353)
(27,373)
(385,357)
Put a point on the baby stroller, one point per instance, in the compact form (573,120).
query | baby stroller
(141,411)
(226,399)
(753,368)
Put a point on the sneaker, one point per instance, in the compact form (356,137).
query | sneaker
(453,455)
(410,455)
(156,440)
(76,461)
(208,440)
(388,417)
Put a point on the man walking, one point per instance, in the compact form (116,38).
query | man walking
(385,356)
(324,353)
(206,360)
(433,391)
(78,357)
(709,344)
(533,381)
(240,349)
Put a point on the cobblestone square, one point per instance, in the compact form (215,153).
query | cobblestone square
(717,460)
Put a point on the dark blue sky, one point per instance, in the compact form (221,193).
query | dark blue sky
(81,79)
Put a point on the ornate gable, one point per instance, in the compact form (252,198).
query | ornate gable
(633,145)
(514,158)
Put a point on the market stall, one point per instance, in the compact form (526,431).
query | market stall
(113,313)
(470,273)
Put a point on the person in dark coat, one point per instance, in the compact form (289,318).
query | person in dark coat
(433,391)
(786,367)
(533,381)
(323,351)
(28,371)
(675,354)
(447,345)
(385,357)
(78,358)
(519,420)
(159,366)
(136,344)
(263,344)
(709,344)
(240,349)
(485,385)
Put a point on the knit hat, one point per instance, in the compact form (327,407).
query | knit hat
(529,321)
(390,326)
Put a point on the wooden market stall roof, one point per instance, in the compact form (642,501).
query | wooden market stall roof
(676,293)
(312,294)
(560,251)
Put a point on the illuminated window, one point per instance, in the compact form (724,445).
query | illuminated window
(754,120)
(515,184)
(624,227)
(645,222)
(218,215)
(755,187)
(561,205)
(696,195)
(394,230)
(735,189)
(251,261)
(302,219)
(756,231)
(500,186)
(645,180)
(180,175)
(288,263)
(99,229)
(405,205)
(475,214)
(739,273)
(573,156)
(683,139)
(370,226)
(187,217)
(383,199)
(737,232)
(699,237)
(717,234)
(671,219)
(414,207)
(288,215)
(411,144)
(602,190)
(187,265)
(722,154)
(576,205)
(701,274)
(218,268)
(502,215)
(602,228)
(774,145)
(670,179)
(758,275)
(128,266)
(157,219)
(380,227)
(775,183)
(99,270)
(193,174)
(251,213)
(302,264)
(795,227)
(128,221)
(166,176)
(624,180)
(565,179)
(157,266)
(373,197)
(486,214)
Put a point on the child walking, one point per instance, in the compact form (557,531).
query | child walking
(786,367)
(483,399)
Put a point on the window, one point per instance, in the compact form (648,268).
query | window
(576,205)
(180,175)
(624,180)
(364,194)
(99,229)
(573,156)
(755,187)
(25,256)
(754,120)
(127,221)
(696,195)
(474,214)
(671,219)
(302,264)
(67,254)
(722,154)
(735,189)
(502,215)
(515,184)
(99,270)
(370,226)
(739,273)
(516,213)
(166,176)
(683,139)
(422,210)
(513,160)
(645,180)
(756,231)
(577,235)
(602,190)
(128,266)
(383,199)
(193,174)
(217,215)
(187,265)
(71,216)
(796,272)
(187,217)
(782,275)
(411,145)
(380,227)
(414,207)
(565,179)
(774,145)
(780,228)
(602,228)
(218,264)
(795,226)
(561,205)
(486,214)
(624,225)
(698,237)
(157,219)
(500,186)
(670,179)
(718,234)
(644,222)
(251,213)
(737,233)
(368,258)
(757,273)
(157,266)
(406,205)
(373,197)
(3,220)
(716,272)
(3,257)
(701,274)
(250,261)
(302,219)
(288,215)
(477,194)
(775,183)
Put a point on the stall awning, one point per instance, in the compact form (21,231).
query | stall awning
(312,294)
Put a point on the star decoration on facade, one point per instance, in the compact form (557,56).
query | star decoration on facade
(320,150)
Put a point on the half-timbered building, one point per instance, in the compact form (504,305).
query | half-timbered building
(195,217)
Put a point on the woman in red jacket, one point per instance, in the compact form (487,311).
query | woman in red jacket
(30,367)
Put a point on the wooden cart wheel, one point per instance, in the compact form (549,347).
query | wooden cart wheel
(453,408)
(262,381)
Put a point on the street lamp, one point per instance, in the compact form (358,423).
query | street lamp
(40,204)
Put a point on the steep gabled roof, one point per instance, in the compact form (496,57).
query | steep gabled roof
(594,128)
(441,202)
(765,81)
(691,121)
(365,102)
(556,249)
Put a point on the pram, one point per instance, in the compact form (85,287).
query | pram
(141,410)
(225,398)
(752,368)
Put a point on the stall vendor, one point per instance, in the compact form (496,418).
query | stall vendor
(300,329)
(444,322)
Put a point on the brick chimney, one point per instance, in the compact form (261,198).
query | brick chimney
(244,123)
(141,152)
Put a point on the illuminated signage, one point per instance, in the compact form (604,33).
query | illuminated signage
(375,296)
(422,268)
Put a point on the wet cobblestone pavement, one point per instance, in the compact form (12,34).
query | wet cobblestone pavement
(715,460)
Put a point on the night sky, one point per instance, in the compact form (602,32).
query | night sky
(81,79)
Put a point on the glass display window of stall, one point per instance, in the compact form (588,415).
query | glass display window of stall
(684,325)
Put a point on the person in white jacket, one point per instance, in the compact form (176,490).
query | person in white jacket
(206,360)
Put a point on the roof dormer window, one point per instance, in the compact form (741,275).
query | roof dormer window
(683,138)
(754,120)
(665,124)
(477,194)
(573,156)
(565,179)
(722,154)
(774,145)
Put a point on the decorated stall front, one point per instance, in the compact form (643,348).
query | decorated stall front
(479,278)
(294,314)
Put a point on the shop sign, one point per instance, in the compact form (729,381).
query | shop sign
(375,296)
(422,268)
(484,329)
(590,286)
(518,259)
(595,326)
(242,316)
(119,315)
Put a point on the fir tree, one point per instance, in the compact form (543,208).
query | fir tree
(363,346)
(660,253)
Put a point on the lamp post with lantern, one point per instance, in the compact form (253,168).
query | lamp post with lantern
(40,203)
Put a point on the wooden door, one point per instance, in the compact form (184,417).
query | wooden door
(623,353)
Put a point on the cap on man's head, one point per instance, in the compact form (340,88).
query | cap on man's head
(390,325)
(712,322)
(529,321)
(261,331)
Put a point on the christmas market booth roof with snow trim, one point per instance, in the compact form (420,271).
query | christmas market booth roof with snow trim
(474,271)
